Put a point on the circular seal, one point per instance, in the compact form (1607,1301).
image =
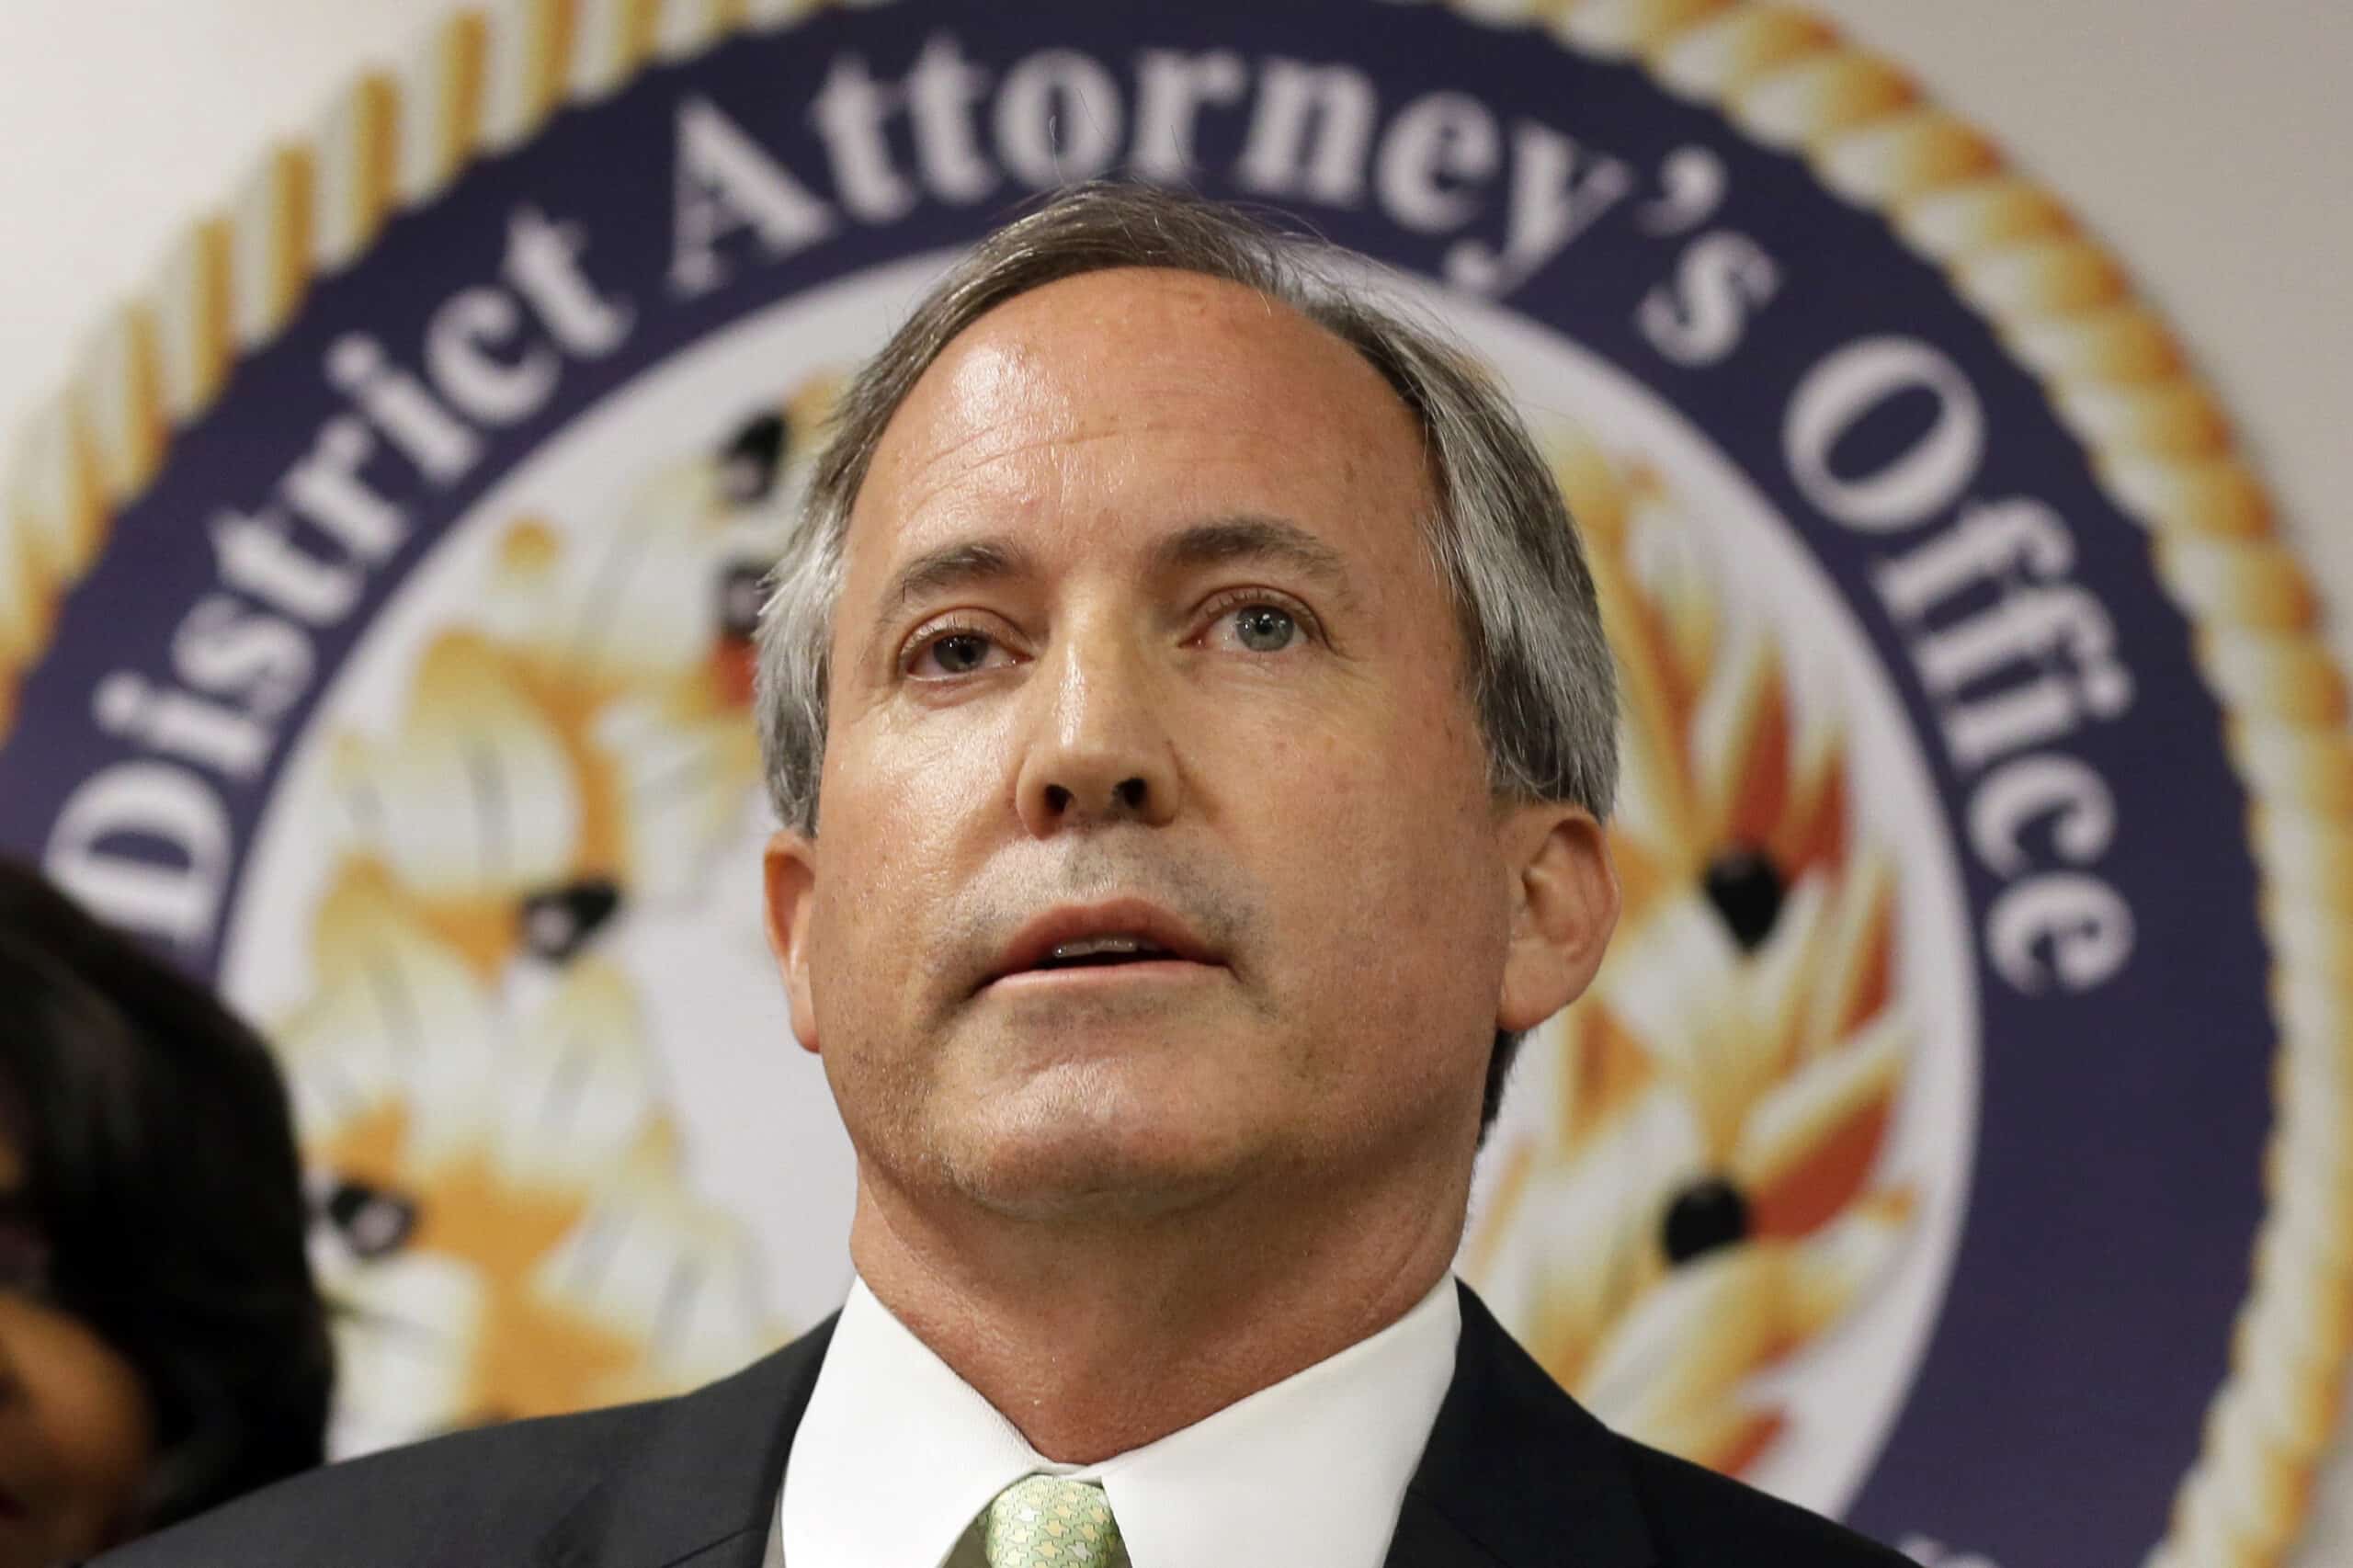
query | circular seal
(374,623)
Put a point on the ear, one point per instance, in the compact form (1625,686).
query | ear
(1564,905)
(789,873)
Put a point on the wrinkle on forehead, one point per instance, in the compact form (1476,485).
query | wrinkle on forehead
(979,404)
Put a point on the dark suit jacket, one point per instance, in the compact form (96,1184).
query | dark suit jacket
(1515,1475)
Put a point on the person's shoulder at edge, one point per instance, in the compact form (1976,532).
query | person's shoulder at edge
(1702,1519)
(673,1475)
(1518,1470)
(494,1489)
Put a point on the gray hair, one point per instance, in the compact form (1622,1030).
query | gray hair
(1537,668)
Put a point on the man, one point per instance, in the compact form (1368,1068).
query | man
(1189,712)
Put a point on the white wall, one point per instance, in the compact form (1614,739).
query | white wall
(2206,142)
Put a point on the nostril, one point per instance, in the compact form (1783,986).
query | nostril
(1131,794)
(1057,799)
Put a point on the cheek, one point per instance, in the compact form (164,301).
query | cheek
(1378,836)
(88,1416)
(898,821)
(910,784)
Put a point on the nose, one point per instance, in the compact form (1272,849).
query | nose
(1097,751)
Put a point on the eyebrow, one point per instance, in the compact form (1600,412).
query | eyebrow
(954,566)
(1222,541)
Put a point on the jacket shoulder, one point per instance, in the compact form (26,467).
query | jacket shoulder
(1701,1519)
(499,1490)
(655,1482)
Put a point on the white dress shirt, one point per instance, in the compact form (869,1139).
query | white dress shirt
(896,1456)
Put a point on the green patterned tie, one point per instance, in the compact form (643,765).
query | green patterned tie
(1043,1521)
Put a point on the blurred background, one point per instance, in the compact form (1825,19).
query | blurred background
(2202,145)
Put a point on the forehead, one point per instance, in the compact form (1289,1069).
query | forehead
(1181,382)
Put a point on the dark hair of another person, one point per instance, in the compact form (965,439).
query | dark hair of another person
(160,1167)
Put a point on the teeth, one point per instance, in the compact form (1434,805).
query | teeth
(1090,946)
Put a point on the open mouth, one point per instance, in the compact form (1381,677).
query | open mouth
(1120,937)
(1101,952)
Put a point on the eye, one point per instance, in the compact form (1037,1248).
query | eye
(1258,624)
(954,650)
(1263,629)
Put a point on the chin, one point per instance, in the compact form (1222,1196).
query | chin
(1066,1149)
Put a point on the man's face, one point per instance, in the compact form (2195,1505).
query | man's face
(1140,647)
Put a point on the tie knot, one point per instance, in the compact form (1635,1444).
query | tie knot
(1044,1521)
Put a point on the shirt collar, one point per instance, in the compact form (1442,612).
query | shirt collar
(897,1454)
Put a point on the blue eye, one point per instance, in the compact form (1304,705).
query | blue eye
(1265,628)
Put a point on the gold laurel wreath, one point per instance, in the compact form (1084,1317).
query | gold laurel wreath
(2063,306)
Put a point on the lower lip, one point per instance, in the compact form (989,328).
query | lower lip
(1146,972)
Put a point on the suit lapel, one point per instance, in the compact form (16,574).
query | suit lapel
(1516,1474)
(703,1485)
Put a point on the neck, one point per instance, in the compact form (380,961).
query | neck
(1099,1335)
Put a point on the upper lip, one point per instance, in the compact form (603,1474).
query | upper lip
(1119,917)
